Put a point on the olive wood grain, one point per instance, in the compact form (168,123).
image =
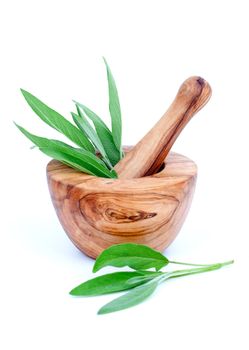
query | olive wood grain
(98,212)
(148,155)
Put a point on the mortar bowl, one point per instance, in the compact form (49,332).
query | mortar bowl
(98,212)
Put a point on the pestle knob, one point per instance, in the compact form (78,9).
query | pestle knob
(148,155)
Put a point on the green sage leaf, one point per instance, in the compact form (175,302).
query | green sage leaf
(83,124)
(112,282)
(103,133)
(114,108)
(136,256)
(79,159)
(57,121)
(133,297)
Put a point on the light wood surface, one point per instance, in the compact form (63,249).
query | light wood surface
(98,212)
(148,155)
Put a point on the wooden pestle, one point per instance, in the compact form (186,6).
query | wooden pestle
(148,155)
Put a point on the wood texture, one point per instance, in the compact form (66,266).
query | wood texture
(98,212)
(149,154)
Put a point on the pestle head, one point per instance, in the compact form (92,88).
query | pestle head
(195,91)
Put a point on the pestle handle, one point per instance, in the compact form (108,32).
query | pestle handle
(149,153)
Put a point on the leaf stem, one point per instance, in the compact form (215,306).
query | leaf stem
(185,272)
(189,264)
(207,265)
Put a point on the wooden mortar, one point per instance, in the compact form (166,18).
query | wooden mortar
(99,212)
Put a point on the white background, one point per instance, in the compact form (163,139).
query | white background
(53,49)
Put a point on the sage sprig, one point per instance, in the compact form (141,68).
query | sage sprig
(98,149)
(138,284)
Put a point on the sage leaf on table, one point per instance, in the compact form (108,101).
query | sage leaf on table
(138,284)
(136,256)
(114,108)
(98,152)
(132,298)
(112,282)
